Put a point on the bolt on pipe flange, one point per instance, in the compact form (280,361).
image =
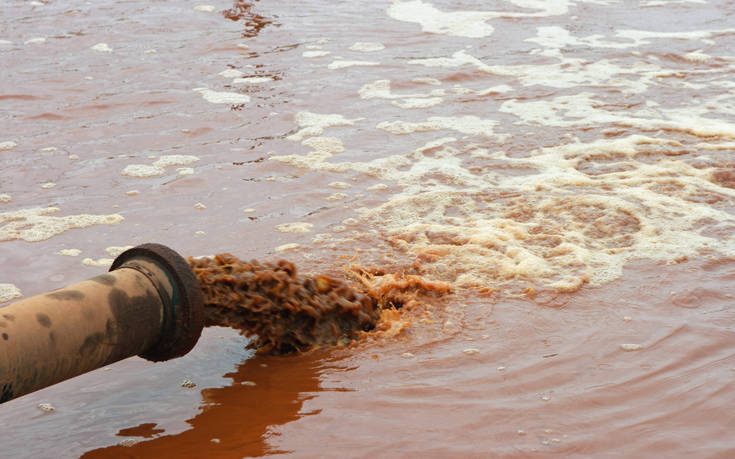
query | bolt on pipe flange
(183,318)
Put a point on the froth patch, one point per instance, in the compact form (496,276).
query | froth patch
(297,227)
(417,102)
(101,48)
(584,109)
(231,73)
(7,145)
(159,166)
(470,124)
(9,292)
(367,47)
(342,64)
(175,160)
(218,97)
(70,252)
(579,214)
(286,247)
(252,80)
(115,250)
(315,53)
(142,171)
(36,224)
(313,124)
(205,8)
(5,198)
(381,89)
(101,262)
(470,24)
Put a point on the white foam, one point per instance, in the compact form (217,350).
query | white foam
(315,53)
(35,41)
(48,185)
(313,124)
(205,8)
(142,170)
(336,197)
(470,24)
(100,262)
(418,102)
(216,97)
(183,171)
(70,252)
(36,224)
(381,89)
(252,80)
(101,48)
(296,227)
(465,124)
(9,292)
(340,185)
(6,43)
(342,64)
(5,198)
(231,73)
(286,247)
(116,250)
(367,47)
(175,160)
(583,109)
(7,145)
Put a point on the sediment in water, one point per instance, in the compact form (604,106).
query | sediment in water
(288,312)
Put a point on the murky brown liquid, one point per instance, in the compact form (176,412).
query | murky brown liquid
(555,177)
(284,311)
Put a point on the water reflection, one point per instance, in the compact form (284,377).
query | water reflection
(265,392)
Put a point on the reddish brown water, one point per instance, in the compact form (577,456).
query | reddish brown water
(566,168)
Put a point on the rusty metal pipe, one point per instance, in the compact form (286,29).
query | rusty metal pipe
(149,304)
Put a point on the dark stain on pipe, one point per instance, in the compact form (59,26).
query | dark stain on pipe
(9,317)
(5,336)
(43,319)
(67,295)
(104,279)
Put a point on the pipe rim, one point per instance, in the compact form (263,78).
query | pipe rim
(184,316)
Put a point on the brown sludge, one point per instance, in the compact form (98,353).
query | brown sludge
(286,311)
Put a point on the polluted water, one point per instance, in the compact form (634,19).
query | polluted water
(287,312)
(509,224)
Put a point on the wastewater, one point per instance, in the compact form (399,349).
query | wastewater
(498,228)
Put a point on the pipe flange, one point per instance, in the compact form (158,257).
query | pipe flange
(183,312)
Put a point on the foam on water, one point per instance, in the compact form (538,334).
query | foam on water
(219,97)
(36,224)
(577,215)
(470,24)
(342,64)
(9,292)
(367,47)
(7,145)
(297,227)
(101,48)
(313,124)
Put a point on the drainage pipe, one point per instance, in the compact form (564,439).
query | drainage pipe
(149,304)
